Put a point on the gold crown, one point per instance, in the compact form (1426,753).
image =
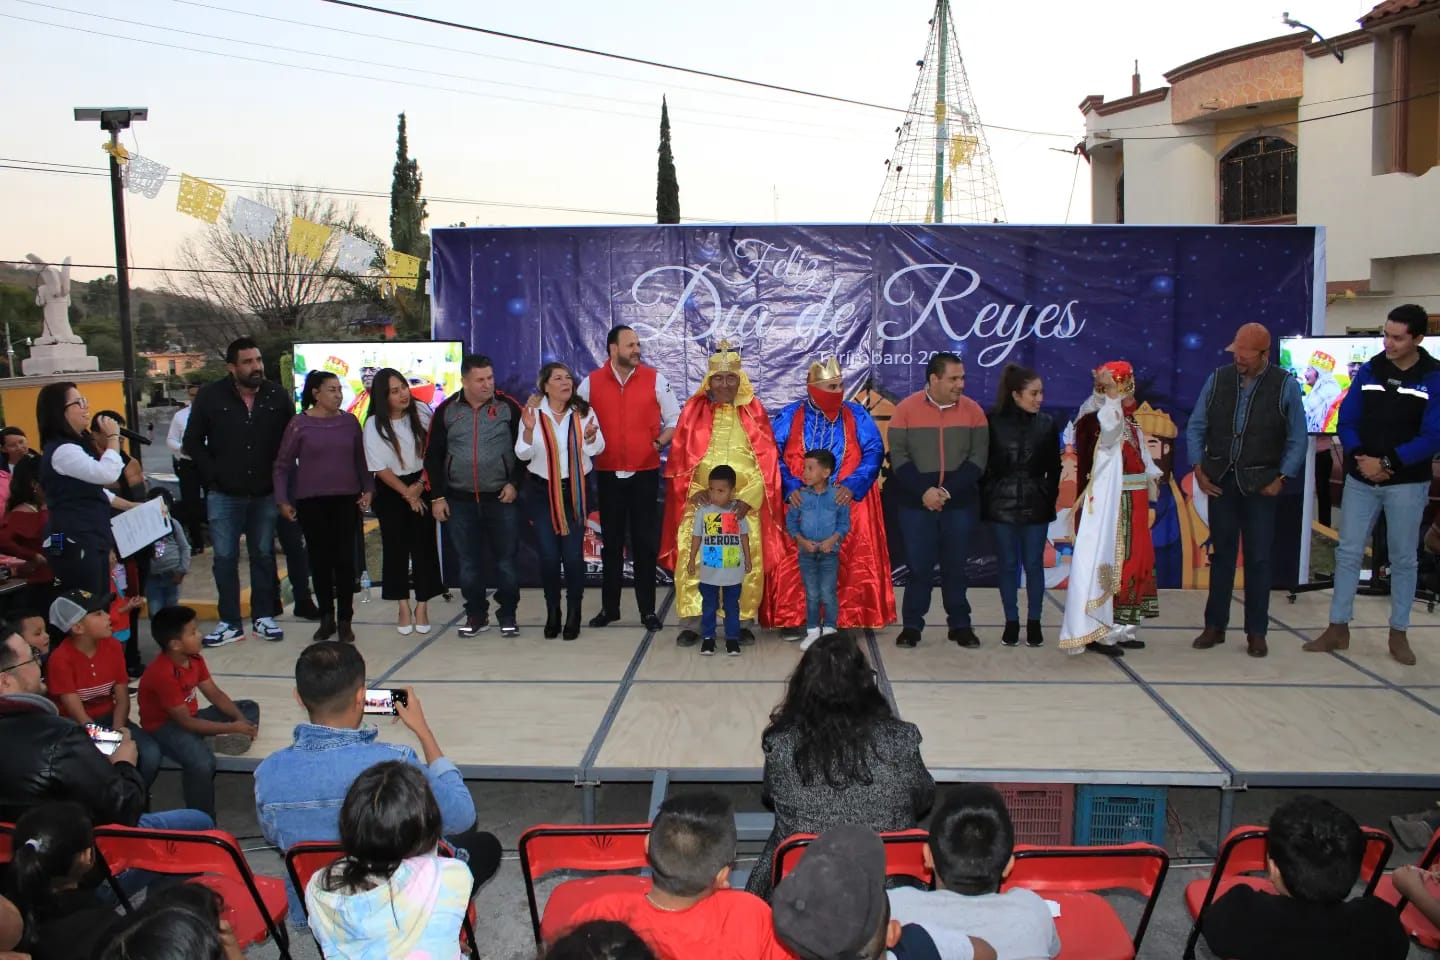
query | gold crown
(828,369)
(1156,423)
(725,359)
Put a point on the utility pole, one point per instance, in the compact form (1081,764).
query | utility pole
(942,21)
(9,350)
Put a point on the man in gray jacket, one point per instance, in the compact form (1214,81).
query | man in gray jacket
(473,477)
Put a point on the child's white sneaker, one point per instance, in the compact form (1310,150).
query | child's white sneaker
(811,635)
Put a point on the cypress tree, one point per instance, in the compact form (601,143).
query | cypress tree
(667,188)
(407,209)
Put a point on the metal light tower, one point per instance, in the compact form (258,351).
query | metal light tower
(941,170)
(113,120)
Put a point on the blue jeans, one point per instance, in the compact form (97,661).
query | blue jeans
(937,537)
(557,550)
(711,597)
(161,591)
(820,571)
(1021,545)
(195,756)
(146,749)
(472,525)
(1237,518)
(1404,504)
(229,517)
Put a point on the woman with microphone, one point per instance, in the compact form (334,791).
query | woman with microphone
(75,469)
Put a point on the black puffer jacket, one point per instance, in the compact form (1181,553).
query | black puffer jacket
(1022,478)
(47,757)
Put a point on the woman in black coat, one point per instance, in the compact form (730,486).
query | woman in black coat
(1022,482)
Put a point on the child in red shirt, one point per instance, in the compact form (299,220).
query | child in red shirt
(86,673)
(170,710)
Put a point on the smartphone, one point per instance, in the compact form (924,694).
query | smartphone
(383,701)
(105,739)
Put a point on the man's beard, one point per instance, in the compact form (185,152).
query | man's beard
(253,380)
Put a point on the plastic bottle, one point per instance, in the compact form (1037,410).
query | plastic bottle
(365,586)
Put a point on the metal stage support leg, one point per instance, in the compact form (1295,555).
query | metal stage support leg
(659,787)
(1227,816)
(587,799)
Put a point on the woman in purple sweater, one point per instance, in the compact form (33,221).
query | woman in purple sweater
(321,479)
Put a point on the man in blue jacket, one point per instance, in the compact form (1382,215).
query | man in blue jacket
(299,790)
(1390,431)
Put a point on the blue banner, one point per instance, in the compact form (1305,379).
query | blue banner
(884,299)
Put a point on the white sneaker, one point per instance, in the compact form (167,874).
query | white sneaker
(811,635)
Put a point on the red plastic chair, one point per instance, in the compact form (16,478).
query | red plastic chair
(256,906)
(304,860)
(904,855)
(1421,930)
(546,848)
(1243,855)
(1088,926)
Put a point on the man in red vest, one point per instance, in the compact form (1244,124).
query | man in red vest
(637,412)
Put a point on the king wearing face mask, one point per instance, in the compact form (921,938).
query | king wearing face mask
(824,420)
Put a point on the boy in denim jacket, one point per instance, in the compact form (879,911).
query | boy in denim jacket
(818,525)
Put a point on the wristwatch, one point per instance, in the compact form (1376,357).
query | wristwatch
(1387,464)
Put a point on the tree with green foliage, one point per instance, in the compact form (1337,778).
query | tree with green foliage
(667,187)
(21,318)
(149,328)
(410,308)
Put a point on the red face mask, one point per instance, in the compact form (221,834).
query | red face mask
(828,402)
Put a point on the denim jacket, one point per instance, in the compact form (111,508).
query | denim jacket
(818,517)
(299,789)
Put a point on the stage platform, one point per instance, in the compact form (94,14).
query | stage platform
(619,704)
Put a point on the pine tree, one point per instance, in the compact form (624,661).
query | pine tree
(407,208)
(667,188)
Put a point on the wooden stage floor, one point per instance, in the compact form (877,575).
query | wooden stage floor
(620,705)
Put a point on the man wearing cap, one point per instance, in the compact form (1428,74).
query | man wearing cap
(833,906)
(1246,435)
(824,420)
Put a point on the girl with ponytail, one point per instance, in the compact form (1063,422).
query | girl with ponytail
(51,876)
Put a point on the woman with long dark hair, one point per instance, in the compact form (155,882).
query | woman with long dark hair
(22,532)
(390,895)
(558,436)
(74,471)
(836,753)
(1018,494)
(322,480)
(395,429)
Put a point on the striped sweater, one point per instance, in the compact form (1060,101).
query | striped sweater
(935,447)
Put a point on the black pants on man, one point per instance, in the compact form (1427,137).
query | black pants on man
(192,502)
(628,506)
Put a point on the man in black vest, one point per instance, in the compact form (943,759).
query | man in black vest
(1245,436)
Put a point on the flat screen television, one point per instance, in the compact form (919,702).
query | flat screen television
(1324,366)
(431,366)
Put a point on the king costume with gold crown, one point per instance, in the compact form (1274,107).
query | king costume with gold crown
(721,424)
(825,420)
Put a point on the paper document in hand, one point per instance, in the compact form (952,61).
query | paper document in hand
(140,526)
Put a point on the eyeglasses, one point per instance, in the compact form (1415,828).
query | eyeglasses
(82,402)
(22,663)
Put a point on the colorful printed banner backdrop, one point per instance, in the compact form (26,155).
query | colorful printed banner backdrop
(884,299)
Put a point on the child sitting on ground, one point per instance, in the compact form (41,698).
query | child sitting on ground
(169,561)
(170,712)
(689,909)
(721,547)
(832,906)
(818,524)
(1313,857)
(971,847)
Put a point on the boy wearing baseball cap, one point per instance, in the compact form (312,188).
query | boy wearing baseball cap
(833,906)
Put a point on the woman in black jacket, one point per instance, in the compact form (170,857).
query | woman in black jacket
(1022,482)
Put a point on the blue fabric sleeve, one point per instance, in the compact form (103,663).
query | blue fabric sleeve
(457,807)
(1199,422)
(780,424)
(1297,437)
(792,519)
(872,452)
(1348,424)
(1426,444)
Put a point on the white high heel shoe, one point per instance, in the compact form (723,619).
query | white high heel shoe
(409,628)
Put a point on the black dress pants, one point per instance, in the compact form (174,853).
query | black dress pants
(628,506)
(330,525)
(409,555)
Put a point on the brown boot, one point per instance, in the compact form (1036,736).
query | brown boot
(1256,645)
(1400,647)
(1335,637)
(1209,637)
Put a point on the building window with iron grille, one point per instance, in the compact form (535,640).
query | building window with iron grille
(1257,182)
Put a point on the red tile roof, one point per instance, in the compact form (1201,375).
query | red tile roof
(1390,8)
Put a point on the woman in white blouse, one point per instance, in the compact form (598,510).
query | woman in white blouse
(558,436)
(395,429)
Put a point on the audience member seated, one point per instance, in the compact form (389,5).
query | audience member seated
(170,712)
(1422,888)
(34,629)
(836,753)
(832,906)
(183,922)
(53,882)
(599,940)
(391,894)
(86,675)
(299,790)
(24,529)
(690,910)
(1315,849)
(48,757)
(971,848)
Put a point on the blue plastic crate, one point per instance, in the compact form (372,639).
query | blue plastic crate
(1108,815)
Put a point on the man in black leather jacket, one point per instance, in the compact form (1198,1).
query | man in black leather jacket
(48,757)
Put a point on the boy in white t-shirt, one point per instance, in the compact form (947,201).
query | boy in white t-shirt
(971,848)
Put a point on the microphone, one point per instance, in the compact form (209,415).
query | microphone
(135,437)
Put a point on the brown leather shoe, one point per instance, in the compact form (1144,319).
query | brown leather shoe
(1209,637)
(1256,646)
(1335,637)
(1400,647)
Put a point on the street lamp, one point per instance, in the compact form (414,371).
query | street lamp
(113,120)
